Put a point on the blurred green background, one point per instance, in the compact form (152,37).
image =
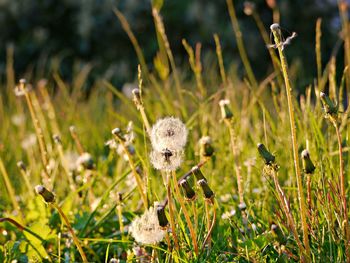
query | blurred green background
(64,35)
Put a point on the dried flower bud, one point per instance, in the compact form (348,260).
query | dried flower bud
(85,161)
(118,133)
(189,192)
(137,97)
(208,193)
(57,139)
(226,113)
(48,196)
(249,8)
(268,157)
(242,206)
(206,148)
(198,173)
(328,105)
(163,220)
(308,166)
(275,27)
(21,166)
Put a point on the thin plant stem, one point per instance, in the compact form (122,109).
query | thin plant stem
(139,105)
(160,28)
(25,176)
(235,157)
(171,209)
(342,189)
(318,50)
(278,39)
(240,44)
(76,139)
(9,187)
(140,186)
(186,214)
(207,214)
(220,60)
(308,187)
(21,227)
(75,239)
(213,221)
(38,130)
(285,206)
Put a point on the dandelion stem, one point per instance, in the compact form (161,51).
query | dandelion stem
(342,188)
(185,211)
(75,239)
(37,128)
(235,157)
(21,227)
(211,227)
(140,186)
(171,210)
(278,39)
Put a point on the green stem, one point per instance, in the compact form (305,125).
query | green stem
(278,40)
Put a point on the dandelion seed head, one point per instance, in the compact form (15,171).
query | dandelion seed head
(169,133)
(146,229)
(165,160)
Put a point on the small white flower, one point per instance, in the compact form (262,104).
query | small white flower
(169,133)
(205,140)
(166,160)
(228,214)
(146,229)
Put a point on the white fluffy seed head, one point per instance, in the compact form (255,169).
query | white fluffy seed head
(169,133)
(224,102)
(205,140)
(163,162)
(146,229)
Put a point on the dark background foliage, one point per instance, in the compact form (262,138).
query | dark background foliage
(74,32)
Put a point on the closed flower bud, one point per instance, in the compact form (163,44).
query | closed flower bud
(242,206)
(163,220)
(268,157)
(118,133)
(308,166)
(206,148)
(189,192)
(85,161)
(21,166)
(137,97)
(198,173)
(208,193)
(57,139)
(48,196)
(328,105)
(226,113)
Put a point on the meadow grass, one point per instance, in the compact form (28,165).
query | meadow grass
(263,176)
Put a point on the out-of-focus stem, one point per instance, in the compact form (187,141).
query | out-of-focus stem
(240,44)
(171,210)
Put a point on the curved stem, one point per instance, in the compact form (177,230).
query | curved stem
(75,239)
(210,230)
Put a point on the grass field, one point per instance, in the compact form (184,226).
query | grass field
(247,170)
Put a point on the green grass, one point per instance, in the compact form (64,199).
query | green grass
(93,199)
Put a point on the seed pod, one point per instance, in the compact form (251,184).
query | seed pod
(48,196)
(268,157)
(208,193)
(328,105)
(163,220)
(226,113)
(206,148)
(57,139)
(308,166)
(189,192)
